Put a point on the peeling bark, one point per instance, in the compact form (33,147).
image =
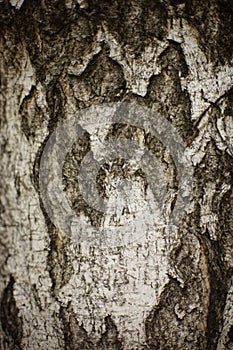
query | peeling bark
(162,291)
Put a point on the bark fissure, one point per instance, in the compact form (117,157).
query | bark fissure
(12,323)
(167,289)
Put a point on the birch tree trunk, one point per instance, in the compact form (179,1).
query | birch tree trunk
(160,286)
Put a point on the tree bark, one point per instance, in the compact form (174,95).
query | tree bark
(165,288)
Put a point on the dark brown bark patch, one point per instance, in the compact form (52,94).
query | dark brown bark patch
(75,335)
(102,81)
(10,320)
(109,339)
(166,93)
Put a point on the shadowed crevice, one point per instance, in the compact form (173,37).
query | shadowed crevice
(11,322)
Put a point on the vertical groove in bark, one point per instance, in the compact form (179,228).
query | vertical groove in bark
(75,335)
(109,340)
(11,322)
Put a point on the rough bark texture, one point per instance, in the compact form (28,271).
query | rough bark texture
(58,57)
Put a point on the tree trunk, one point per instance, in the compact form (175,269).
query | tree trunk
(134,273)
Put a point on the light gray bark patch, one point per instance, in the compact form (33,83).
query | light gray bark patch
(61,40)
(12,325)
(178,321)
(71,182)
(59,262)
